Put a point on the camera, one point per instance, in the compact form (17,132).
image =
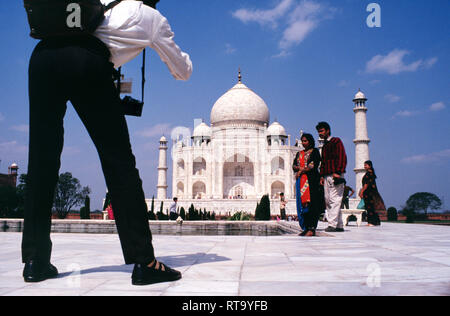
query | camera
(132,107)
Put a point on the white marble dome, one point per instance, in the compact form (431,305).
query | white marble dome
(276,129)
(240,105)
(202,130)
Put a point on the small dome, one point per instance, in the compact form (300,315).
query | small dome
(360,96)
(163,140)
(14,165)
(276,129)
(202,130)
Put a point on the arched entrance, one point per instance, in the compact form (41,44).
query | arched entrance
(238,178)
(276,189)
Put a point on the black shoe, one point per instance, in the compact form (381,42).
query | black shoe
(143,275)
(37,272)
(330,229)
(340,230)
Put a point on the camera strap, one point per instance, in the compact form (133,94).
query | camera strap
(143,74)
(119,76)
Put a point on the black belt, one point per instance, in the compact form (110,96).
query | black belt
(90,42)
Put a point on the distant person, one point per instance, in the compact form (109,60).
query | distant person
(80,69)
(173,210)
(283,203)
(309,198)
(332,171)
(347,196)
(372,198)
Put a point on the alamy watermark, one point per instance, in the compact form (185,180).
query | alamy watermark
(374,278)
(374,18)
(74,18)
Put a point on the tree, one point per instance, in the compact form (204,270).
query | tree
(107,201)
(21,193)
(151,214)
(192,216)
(392,214)
(410,215)
(85,212)
(68,194)
(263,209)
(423,201)
(8,201)
(183,213)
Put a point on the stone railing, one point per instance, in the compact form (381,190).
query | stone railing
(197,228)
(227,207)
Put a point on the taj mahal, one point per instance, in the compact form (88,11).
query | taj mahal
(229,165)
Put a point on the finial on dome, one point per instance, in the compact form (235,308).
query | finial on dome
(240,76)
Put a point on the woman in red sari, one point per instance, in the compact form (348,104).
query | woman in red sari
(309,201)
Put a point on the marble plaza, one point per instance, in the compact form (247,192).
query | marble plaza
(394,259)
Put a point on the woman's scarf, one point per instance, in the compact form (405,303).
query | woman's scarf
(304,184)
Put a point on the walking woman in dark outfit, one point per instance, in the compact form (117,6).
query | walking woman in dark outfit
(371,196)
(309,197)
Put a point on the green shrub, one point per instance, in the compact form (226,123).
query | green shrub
(241,216)
(85,212)
(262,212)
(151,213)
(410,215)
(392,214)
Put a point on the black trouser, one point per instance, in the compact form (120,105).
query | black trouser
(173,216)
(78,70)
(345,203)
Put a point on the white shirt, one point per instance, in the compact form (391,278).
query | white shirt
(173,207)
(131,26)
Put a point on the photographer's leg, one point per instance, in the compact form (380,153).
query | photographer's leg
(99,107)
(47,110)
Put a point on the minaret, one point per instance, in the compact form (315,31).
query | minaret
(162,170)
(13,173)
(361,138)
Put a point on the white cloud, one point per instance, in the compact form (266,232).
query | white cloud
(405,113)
(302,21)
(343,83)
(392,98)
(299,19)
(432,157)
(264,17)
(229,49)
(13,148)
(430,62)
(393,63)
(155,131)
(20,128)
(282,54)
(437,106)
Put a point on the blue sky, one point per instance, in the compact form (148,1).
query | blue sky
(306,59)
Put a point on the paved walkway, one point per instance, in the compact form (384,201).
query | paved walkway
(395,259)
